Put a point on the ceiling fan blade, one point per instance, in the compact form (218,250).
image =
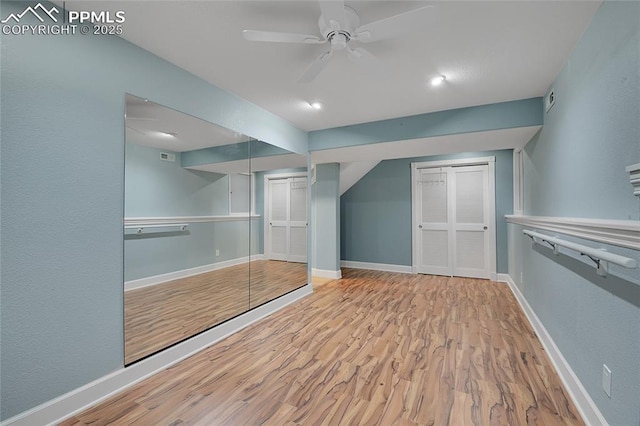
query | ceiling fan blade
(397,25)
(316,67)
(333,10)
(254,35)
(368,62)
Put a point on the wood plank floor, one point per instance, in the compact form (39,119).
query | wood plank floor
(158,316)
(374,348)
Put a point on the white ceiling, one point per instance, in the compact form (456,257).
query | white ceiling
(489,51)
(157,126)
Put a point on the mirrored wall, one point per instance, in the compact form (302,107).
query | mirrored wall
(215,225)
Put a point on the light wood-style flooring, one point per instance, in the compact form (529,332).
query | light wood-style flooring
(158,316)
(374,348)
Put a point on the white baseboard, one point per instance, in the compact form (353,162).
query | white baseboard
(65,406)
(585,405)
(376,266)
(184,273)
(501,278)
(324,273)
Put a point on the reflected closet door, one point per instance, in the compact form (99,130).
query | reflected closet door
(287,210)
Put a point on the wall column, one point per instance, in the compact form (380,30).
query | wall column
(325,204)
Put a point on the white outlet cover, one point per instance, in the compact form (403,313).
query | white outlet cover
(606,380)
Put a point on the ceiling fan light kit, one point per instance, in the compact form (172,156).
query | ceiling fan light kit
(339,26)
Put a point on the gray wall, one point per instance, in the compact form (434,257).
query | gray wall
(62,169)
(376,211)
(576,168)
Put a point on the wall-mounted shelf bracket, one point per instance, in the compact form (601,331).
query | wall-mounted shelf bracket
(602,267)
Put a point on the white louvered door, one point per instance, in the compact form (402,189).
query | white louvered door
(470,221)
(286,237)
(434,217)
(298,219)
(453,220)
(278,239)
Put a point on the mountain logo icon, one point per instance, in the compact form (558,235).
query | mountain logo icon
(34,11)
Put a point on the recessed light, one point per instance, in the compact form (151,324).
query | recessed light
(315,105)
(437,81)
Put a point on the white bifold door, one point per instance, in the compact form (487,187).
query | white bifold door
(453,219)
(286,227)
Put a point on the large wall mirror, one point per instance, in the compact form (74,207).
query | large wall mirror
(215,225)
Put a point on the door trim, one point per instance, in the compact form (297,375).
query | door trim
(266,218)
(476,161)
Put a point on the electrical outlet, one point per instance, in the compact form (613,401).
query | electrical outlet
(217,252)
(606,380)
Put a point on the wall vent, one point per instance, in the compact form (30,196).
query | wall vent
(550,100)
(165,156)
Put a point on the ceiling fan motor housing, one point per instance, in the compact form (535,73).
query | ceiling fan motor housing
(339,34)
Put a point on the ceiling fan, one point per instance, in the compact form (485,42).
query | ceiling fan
(339,25)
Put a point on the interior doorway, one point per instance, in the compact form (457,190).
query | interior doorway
(453,217)
(285,230)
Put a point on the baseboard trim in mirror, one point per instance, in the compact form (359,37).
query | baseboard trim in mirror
(58,409)
(163,278)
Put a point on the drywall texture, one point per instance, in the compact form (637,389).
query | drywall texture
(575,167)
(62,192)
(376,211)
(326,219)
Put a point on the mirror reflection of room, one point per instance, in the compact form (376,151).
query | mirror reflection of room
(197,251)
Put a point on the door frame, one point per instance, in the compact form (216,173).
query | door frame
(476,161)
(265,200)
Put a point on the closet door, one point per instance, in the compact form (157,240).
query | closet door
(434,218)
(298,219)
(453,221)
(278,202)
(471,221)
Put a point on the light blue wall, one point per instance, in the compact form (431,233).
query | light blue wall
(326,217)
(156,188)
(576,168)
(62,154)
(503,115)
(376,211)
(234,152)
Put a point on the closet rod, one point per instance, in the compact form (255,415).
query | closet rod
(600,257)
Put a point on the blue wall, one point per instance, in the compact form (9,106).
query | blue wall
(62,154)
(156,188)
(376,211)
(504,115)
(326,217)
(575,167)
(162,188)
